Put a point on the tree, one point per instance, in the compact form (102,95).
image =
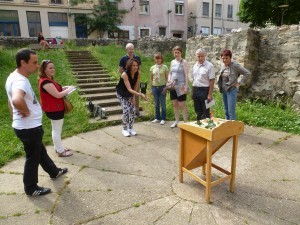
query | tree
(105,17)
(261,12)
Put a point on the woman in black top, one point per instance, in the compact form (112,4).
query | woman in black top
(127,92)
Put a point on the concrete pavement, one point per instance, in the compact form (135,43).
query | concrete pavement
(117,180)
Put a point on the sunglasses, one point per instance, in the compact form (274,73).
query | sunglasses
(45,62)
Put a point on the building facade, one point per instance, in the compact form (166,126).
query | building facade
(57,18)
(224,18)
(155,18)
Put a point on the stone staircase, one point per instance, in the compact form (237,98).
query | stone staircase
(95,83)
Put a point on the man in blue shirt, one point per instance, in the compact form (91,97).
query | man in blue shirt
(122,67)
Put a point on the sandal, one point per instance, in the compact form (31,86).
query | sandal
(64,154)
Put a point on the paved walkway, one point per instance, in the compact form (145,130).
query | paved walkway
(116,180)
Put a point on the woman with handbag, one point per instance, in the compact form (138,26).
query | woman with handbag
(178,76)
(51,96)
(228,83)
(127,92)
(158,78)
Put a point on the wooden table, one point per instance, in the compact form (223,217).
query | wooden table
(198,144)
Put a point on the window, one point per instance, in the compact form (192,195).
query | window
(217,30)
(9,23)
(218,11)
(34,23)
(178,35)
(230,11)
(228,30)
(205,9)
(144,7)
(144,32)
(122,34)
(179,7)
(81,25)
(33,1)
(205,31)
(58,19)
(162,31)
(55,1)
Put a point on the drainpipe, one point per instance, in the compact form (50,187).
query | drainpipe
(212,18)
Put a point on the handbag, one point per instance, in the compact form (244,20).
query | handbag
(170,85)
(68,105)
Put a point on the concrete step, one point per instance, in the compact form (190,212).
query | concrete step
(100,72)
(85,62)
(112,110)
(84,56)
(83,65)
(106,102)
(97,90)
(97,85)
(100,96)
(92,68)
(93,80)
(105,75)
(111,119)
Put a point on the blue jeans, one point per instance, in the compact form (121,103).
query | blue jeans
(160,102)
(229,100)
(36,155)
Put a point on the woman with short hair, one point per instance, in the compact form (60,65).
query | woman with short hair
(229,84)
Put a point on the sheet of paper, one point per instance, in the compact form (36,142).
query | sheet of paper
(72,91)
(209,104)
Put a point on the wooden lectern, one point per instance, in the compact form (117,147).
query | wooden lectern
(198,144)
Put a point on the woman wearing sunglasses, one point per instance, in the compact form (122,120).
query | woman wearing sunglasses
(51,95)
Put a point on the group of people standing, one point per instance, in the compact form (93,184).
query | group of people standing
(202,78)
(26,110)
(26,113)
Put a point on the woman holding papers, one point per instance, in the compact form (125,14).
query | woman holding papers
(203,79)
(51,96)
(179,74)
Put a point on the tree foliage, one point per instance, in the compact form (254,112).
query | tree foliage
(105,16)
(261,12)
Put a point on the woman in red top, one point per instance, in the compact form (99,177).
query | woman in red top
(51,95)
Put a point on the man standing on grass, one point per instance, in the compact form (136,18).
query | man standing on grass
(203,78)
(26,114)
(122,67)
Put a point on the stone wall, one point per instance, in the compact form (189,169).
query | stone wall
(271,54)
(150,45)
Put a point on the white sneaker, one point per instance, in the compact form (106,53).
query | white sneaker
(174,124)
(155,121)
(162,122)
(126,133)
(132,132)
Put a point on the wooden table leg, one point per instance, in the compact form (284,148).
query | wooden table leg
(208,171)
(203,169)
(181,140)
(233,162)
